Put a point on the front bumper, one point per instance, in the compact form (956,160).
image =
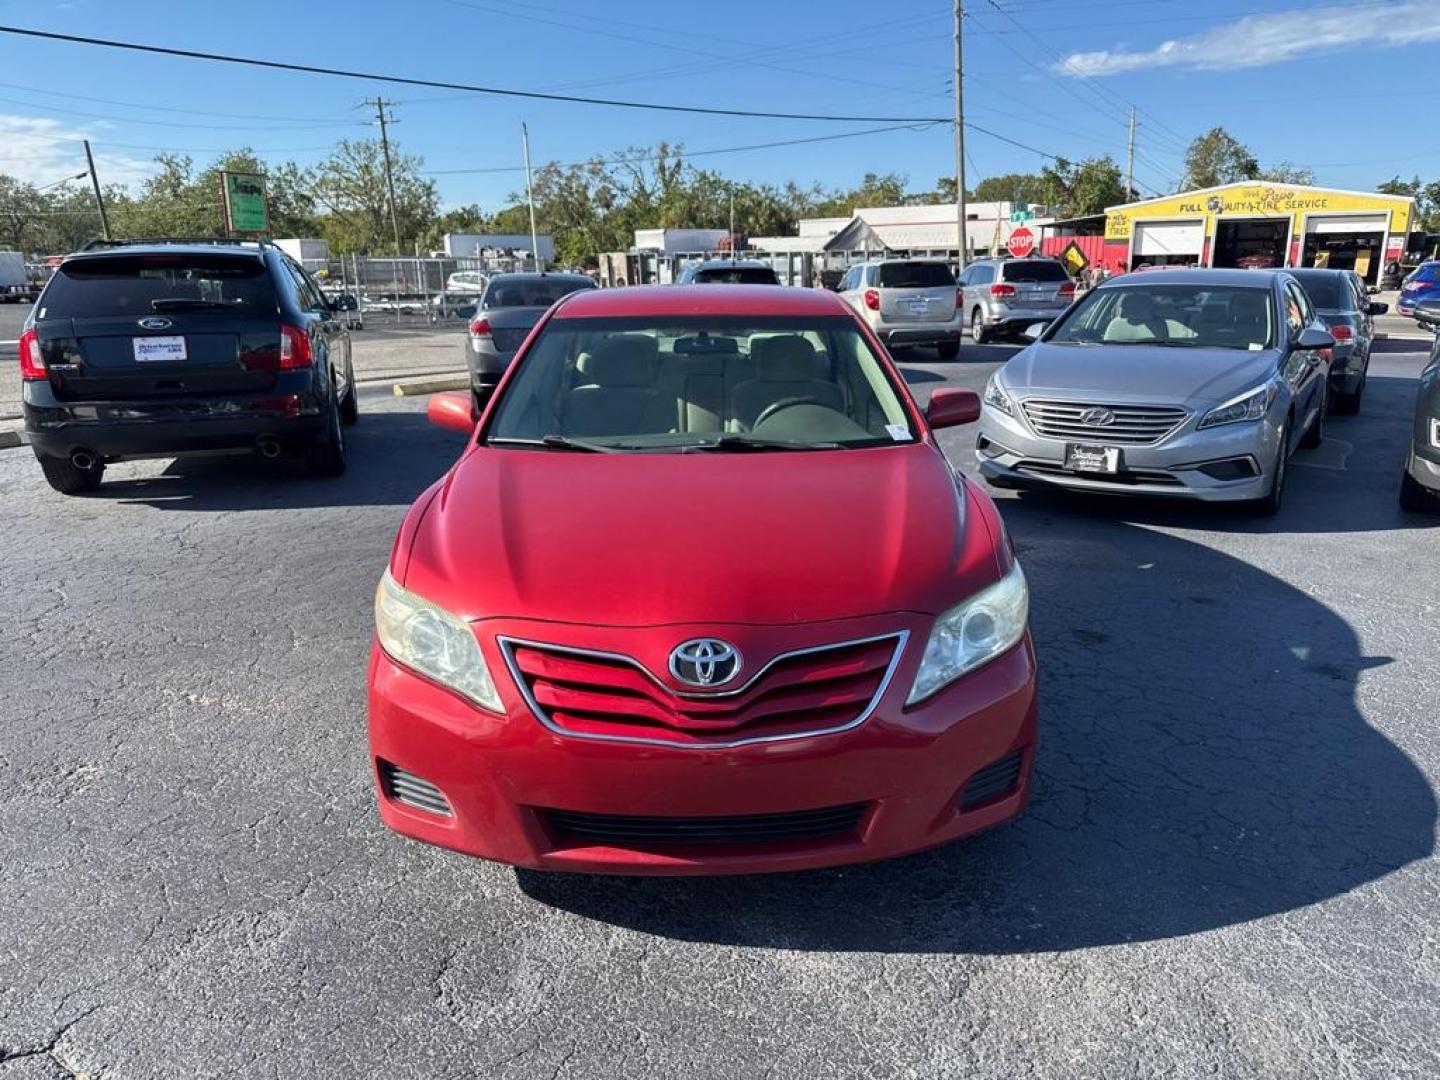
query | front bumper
(501,774)
(1176,467)
(292,411)
(1423,464)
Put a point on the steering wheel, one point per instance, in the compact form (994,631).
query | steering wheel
(783,404)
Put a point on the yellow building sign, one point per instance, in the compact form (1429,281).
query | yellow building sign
(1256,200)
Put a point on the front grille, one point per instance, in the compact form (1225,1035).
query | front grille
(508,340)
(994,781)
(1133,425)
(623,830)
(1130,477)
(411,790)
(608,696)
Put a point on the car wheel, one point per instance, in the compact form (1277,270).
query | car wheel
(65,478)
(1416,497)
(978,333)
(350,405)
(1315,433)
(326,455)
(1348,404)
(1268,505)
(948,350)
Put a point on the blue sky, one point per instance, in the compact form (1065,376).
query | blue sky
(1321,84)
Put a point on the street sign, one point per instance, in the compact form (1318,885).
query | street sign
(1074,259)
(1021,242)
(1021,212)
(245,209)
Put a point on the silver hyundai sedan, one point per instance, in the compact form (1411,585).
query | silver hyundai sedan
(1190,383)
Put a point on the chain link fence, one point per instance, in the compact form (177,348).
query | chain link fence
(414,292)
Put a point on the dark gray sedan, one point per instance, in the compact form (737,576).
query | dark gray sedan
(1420,485)
(1190,383)
(509,308)
(1340,299)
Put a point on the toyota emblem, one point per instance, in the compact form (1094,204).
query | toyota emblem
(1099,416)
(704,662)
(155,322)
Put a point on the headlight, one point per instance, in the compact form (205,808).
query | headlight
(973,633)
(433,642)
(1435,434)
(1251,405)
(996,397)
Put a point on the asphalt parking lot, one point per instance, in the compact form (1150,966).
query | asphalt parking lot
(1227,870)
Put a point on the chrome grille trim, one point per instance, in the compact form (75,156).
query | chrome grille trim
(507,650)
(1134,425)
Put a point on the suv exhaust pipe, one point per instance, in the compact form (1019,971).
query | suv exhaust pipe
(268,446)
(83,460)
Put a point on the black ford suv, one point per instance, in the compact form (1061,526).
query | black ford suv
(157,348)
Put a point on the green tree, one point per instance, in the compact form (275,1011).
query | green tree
(1074,190)
(1217,157)
(1426,196)
(1011,187)
(1285,173)
(350,188)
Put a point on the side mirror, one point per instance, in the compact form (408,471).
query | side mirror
(1034,330)
(1311,338)
(453,411)
(951,406)
(1377,308)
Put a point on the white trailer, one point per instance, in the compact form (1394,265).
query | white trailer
(16,286)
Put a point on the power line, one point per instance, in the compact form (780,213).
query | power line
(304,121)
(533,95)
(154,123)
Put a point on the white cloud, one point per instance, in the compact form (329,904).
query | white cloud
(41,151)
(1258,40)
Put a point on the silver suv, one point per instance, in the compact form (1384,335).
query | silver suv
(907,302)
(1007,295)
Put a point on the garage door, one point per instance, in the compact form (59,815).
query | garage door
(1169,238)
(1346,223)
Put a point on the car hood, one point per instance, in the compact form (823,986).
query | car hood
(652,539)
(1136,372)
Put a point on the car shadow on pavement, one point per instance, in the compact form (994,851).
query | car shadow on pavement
(1203,762)
(393,456)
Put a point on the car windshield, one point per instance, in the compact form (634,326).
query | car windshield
(1182,316)
(1326,291)
(146,284)
(532,292)
(736,275)
(701,383)
(1037,271)
(914,275)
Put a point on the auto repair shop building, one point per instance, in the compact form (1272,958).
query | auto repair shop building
(1254,224)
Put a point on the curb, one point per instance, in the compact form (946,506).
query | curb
(10,438)
(414,387)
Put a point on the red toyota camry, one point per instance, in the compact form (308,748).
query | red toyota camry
(701,595)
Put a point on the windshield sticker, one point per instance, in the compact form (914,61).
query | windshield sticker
(898,432)
(1255,346)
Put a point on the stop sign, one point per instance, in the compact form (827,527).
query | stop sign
(1021,242)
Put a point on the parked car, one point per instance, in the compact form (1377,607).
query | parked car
(1420,483)
(1343,302)
(1003,295)
(1422,283)
(472,282)
(455,305)
(1188,383)
(907,302)
(510,306)
(728,272)
(621,635)
(157,349)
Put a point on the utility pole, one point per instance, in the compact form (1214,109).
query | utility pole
(1130,159)
(380,103)
(960,210)
(530,198)
(99,199)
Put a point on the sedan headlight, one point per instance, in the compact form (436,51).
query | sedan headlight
(1251,405)
(996,397)
(432,641)
(972,634)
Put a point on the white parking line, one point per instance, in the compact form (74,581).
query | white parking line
(1331,454)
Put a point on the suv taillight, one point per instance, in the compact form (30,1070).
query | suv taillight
(872,299)
(480,328)
(294,348)
(1002,290)
(1341,333)
(1068,289)
(959,298)
(32,362)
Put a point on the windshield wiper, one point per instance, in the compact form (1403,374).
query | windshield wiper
(189,303)
(555,442)
(727,443)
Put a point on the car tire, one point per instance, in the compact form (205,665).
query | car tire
(1348,404)
(350,404)
(1315,433)
(1268,505)
(948,350)
(1416,497)
(65,478)
(326,455)
(978,333)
